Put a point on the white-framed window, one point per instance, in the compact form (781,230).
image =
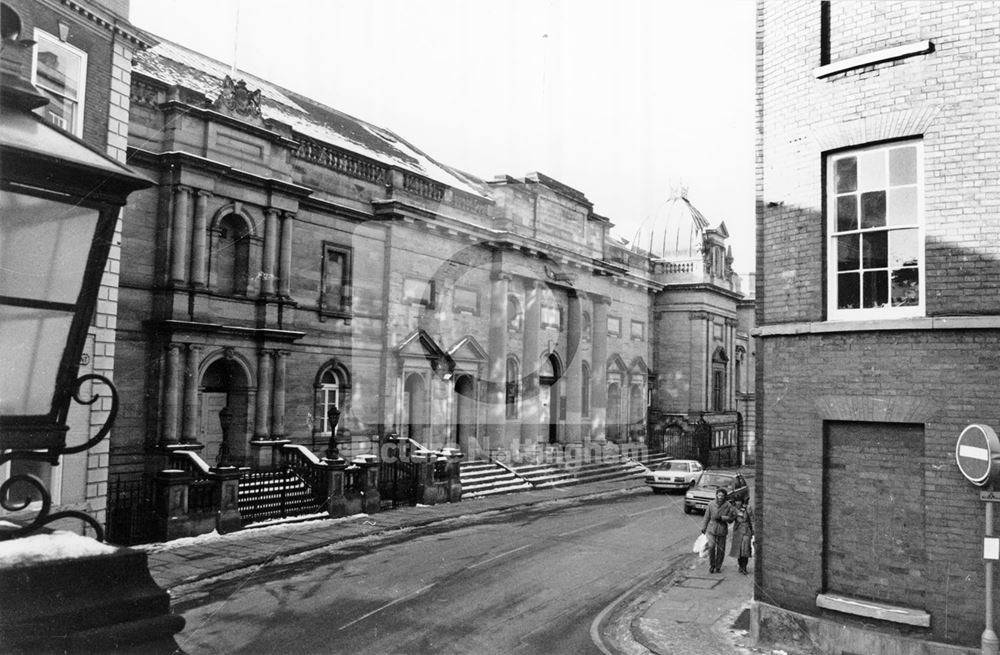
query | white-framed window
(875,254)
(59,71)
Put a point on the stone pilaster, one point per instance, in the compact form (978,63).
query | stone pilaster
(529,364)
(189,429)
(180,239)
(171,394)
(496,402)
(263,408)
(278,395)
(599,370)
(199,240)
(574,371)
(285,265)
(270,251)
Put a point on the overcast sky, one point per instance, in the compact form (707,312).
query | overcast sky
(621,100)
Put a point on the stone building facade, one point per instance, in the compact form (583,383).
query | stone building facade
(877,197)
(81,60)
(294,260)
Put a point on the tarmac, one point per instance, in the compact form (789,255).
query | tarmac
(681,610)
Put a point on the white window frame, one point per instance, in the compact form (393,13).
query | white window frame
(886,312)
(40,36)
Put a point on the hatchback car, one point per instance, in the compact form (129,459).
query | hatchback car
(698,496)
(673,474)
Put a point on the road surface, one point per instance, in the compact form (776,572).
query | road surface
(523,581)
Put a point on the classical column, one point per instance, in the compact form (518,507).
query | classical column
(181,224)
(189,429)
(496,402)
(574,371)
(285,265)
(599,370)
(278,395)
(529,364)
(270,250)
(171,399)
(199,239)
(263,408)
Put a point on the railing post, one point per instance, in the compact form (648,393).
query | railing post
(171,490)
(423,463)
(454,477)
(336,503)
(369,475)
(227,484)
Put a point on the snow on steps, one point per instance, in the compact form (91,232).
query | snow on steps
(487,478)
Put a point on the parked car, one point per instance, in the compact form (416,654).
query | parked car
(698,496)
(673,474)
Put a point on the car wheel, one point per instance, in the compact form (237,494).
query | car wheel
(657,491)
(687,510)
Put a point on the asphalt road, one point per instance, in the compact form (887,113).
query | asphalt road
(527,581)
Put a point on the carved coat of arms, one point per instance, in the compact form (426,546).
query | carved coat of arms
(238,99)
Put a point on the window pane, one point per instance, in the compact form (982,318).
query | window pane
(33,342)
(876,290)
(44,246)
(847,174)
(905,287)
(873,209)
(902,208)
(848,253)
(904,248)
(875,250)
(848,291)
(871,170)
(903,166)
(58,69)
(847,213)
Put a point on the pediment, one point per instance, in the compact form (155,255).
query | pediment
(467,349)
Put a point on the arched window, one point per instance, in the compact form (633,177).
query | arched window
(719,362)
(585,390)
(513,314)
(332,397)
(232,256)
(587,328)
(513,388)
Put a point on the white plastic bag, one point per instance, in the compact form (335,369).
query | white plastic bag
(700,546)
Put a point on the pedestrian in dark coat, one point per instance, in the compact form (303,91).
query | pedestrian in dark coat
(742,534)
(718,514)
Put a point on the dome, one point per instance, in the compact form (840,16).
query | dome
(675,231)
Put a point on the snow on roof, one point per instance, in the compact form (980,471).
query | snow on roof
(172,64)
(57,545)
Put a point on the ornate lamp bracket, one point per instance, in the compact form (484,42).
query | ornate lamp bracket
(51,456)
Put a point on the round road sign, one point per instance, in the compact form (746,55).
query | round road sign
(977,453)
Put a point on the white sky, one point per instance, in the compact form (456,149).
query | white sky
(620,99)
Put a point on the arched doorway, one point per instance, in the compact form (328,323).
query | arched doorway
(224,383)
(415,406)
(465,410)
(549,376)
(637,411)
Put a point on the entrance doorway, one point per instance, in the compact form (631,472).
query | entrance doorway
(224,384)
(465,411)
(550,392)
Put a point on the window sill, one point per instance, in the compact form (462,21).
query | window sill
(877,57)
(877,325)
(874,610)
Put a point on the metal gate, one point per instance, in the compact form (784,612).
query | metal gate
(131,515)
(398,483)
(265,495)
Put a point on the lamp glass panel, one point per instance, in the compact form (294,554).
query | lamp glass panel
(44,247)
(33,341)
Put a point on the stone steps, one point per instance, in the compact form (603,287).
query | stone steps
(486,479)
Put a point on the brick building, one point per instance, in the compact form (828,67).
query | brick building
(877,197)
(310,271)
(78,55)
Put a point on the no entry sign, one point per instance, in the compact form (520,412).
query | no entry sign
(977,452)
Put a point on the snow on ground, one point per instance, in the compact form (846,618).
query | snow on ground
(57,545)
(275,528)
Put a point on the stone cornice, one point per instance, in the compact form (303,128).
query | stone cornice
(174,327)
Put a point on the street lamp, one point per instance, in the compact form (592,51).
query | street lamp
(226,421)
(59,202)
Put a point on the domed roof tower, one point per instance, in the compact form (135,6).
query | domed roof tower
(675,232)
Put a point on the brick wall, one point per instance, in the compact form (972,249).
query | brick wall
(937,379)
(940,381)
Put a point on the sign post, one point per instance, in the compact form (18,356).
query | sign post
(977,454)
